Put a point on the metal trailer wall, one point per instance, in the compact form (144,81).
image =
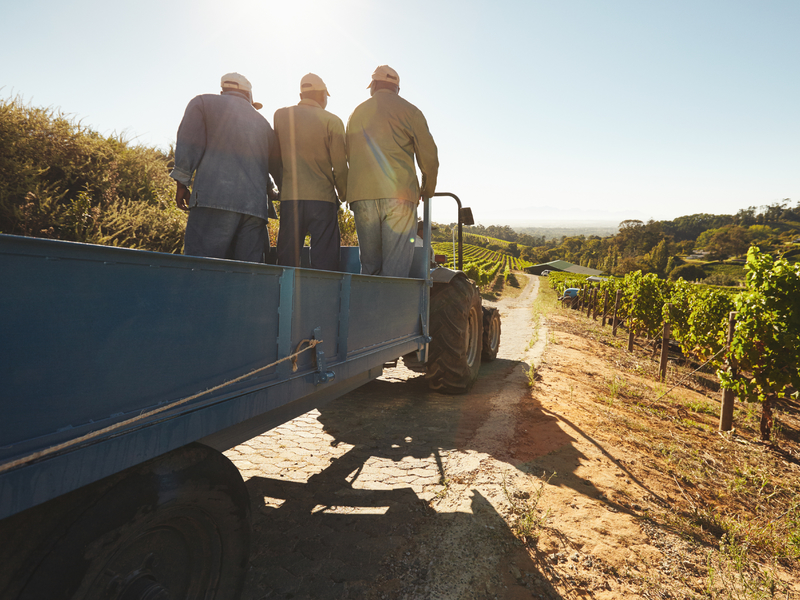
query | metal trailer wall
(91,336)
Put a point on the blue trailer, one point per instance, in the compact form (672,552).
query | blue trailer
(126,373)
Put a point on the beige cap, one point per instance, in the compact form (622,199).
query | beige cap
(313,83)
(235,81)
(386,73)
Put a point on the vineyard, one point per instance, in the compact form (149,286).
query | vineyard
(757,360)
(482,265)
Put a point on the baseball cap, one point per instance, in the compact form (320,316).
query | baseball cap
(235,81)
(386,73)
(313,83)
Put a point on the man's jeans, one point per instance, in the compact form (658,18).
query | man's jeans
(218,233)
(386,231)
(318,218)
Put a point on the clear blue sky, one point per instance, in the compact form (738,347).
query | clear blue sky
(540,108)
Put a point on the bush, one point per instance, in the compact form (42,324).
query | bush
(61,180)
(688,272)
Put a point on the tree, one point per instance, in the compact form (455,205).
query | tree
(660,257)
(628,264)
(689,227)
(528,254)
(630,224)
(733,241)
(673,263)
(758,234)
(725,241)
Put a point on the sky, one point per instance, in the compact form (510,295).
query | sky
(542,110)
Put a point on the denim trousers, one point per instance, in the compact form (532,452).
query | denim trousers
(318,218)
(217,233)
(386,231)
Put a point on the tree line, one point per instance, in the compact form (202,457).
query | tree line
(659,246)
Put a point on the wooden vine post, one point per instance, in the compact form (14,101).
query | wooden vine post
(616,308)
(605,306)
(726,411)
(662,369)
(589,301)
(631,330)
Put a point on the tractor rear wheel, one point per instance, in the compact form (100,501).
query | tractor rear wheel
(456,326)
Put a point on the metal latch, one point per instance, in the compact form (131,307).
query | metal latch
(322,375)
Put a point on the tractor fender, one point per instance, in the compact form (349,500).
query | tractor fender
(443,275)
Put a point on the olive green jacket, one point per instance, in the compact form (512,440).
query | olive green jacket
(384,134)
(313,153)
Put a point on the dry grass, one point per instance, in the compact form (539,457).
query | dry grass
(737,500)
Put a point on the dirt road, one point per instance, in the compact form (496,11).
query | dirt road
(394,491)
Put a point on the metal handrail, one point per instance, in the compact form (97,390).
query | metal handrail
(460,219)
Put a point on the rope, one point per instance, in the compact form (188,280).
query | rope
(94,434)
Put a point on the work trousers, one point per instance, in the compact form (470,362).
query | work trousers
(386,231)
(317,218)
(217,233)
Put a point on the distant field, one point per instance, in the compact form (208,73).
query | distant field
(556,233)
(732,270)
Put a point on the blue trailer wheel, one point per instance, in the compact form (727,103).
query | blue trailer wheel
(176,527)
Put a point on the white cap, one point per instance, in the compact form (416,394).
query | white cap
(313,83)
(235,81)
(386,73)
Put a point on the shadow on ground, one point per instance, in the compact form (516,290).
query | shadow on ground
(352,532)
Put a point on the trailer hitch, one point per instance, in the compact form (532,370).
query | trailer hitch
(322,375)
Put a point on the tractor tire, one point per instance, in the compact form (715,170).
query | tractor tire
(456,326)
(491,334)
(175,527)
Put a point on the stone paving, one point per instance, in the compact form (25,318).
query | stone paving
(342,496)
(335,492)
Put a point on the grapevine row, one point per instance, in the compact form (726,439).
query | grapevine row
(762,358)
(481,256)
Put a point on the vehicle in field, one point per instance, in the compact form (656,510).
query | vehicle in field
(127,373)
(569,296)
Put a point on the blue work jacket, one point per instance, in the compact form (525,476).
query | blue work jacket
(225,153)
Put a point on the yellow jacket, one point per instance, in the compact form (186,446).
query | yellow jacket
(313,153)
(383,136)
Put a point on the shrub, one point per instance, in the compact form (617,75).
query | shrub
(62,180)
(688,272)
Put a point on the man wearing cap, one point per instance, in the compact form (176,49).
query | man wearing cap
(314,172)
(226,152)
(384,134)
